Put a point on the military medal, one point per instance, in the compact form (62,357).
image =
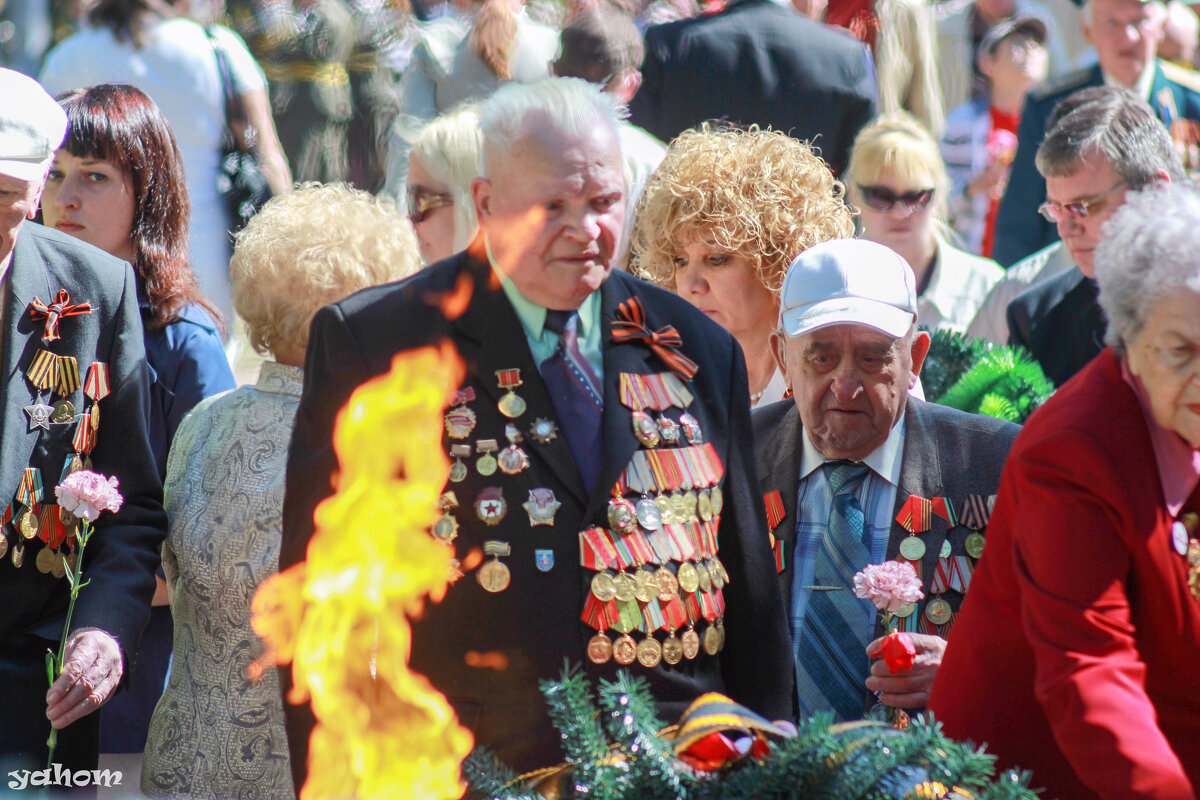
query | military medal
(543,430)
(672,649)
(946,549)
(938,611)
(446,527)
(625,650)
(599,649)
(541,507)
(712,640)
(58,567)
(669,429)
(3,544)
(718,580)
(645,429)
(718,500)
(912,548)
(691,643)
(648,515)
(460,420)
(679,507)
(511,404)
(664,509)
(688,577)
(39,415)
(486,464)
(668,585)
(906,610)
(625,587)
(490,506)
(603,588)
(64,411)
(705,578)
(622,515)
(512,459)
(45,560)
(645,587)
(493,575)
(691,428)
(458,470)
(649,652)
(974,544)
(704,506)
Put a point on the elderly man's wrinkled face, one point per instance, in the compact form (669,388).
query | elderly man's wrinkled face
(1125,34)
(1165,354)
(552,211)
(18,202)
(850,384)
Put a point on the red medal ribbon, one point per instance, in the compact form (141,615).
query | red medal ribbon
(96,385)
(508,378)
(914,514)
(654,616)
(944,509)
(774,508)
(50,528)
(960,573)
(84,439)
(940,581)
(708,531)
(61,307)
(630,326)
(675,616)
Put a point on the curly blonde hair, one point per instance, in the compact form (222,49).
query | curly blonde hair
(312,247)
(760,194)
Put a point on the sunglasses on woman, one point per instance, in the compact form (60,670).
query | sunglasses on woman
(421,201)
(883,199)
(1077,209)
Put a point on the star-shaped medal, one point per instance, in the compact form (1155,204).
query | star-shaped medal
(39,415)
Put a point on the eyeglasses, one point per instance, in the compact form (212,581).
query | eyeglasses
(1077,209)
(421,201)
(883,199)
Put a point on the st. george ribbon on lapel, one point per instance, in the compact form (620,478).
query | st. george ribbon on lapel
(630,325)
(61,307)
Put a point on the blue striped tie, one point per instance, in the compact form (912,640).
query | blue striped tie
(575,394)
(831,658)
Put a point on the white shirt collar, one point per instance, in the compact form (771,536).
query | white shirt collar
(884,460)
(1145,81)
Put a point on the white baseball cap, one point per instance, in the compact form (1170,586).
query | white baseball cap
(848,282)
(32,126)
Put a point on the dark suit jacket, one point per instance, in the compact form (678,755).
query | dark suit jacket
(124,552)
(1075,654)
(1020,230)
(757,63)
(1059,321)
(535,623)
(947,453)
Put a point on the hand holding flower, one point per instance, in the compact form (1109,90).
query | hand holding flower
(906,688)
(92,668)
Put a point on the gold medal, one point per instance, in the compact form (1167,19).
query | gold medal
(18,555)
(912,548)
(66,517)
(645,587)
(672,649)
(712,640)
(45,560)
(603,588)
(718,500)
(721,568)
(3,545)
(974,544)
(599,649)
(705,578)
(691,501)
(622,515)
(946,549)
(668,586)
(704,506)
(59,568)
(75,465)
(28,524)
(94,417)
(679,507)
(458,472)
(64,411)
(460,421)
(688,577)
(624,650)
(511,404)
(486,464)
(718,580)
(691,644)
(906,610)
(626,588)
(664,509)
(649,652)
(721,632)
(493,576)
(938,611)
(645,429)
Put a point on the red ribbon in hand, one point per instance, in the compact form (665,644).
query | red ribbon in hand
(61,307)
(630,326)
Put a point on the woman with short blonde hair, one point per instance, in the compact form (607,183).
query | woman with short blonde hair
(446,158)
(722,218)
(897,181)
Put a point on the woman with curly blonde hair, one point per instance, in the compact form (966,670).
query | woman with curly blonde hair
(721,219)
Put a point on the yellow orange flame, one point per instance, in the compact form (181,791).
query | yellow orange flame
(342,617)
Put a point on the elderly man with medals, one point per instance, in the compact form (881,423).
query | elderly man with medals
(855,471)
(71,348)
(599,447)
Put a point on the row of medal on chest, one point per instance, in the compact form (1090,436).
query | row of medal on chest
(649,652)
(49,560)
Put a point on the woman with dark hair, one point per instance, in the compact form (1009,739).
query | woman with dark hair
(117,183)
(158,47)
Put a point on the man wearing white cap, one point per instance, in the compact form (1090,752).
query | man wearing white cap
(74,393)
(855,471)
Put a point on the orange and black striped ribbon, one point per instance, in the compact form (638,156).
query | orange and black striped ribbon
(630,326)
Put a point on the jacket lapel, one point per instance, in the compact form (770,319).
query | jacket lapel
(782,474)
(26,278)
(490,338)
(921,475)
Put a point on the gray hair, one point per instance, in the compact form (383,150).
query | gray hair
(571,107)
(1115,124)
(1086,11)
(1147,252)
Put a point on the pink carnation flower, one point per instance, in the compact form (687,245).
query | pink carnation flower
(888,585)
(85,494)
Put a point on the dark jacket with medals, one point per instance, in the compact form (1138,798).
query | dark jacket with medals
(534,623)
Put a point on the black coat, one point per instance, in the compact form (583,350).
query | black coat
(536,622)
(1059,321)
(757,62)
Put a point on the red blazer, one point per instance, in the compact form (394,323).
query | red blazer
(1077,651)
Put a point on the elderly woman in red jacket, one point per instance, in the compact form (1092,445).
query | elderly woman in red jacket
(1077,651)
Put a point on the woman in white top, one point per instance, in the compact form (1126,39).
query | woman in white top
(897,181)
(151,44)
(720,221)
